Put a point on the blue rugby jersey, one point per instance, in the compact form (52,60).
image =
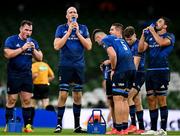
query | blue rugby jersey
(134,50)
(123,52)
(72,53)
(22,62)
(158,55)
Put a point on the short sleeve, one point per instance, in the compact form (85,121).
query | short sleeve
(8,43)
(107,42)
(171,37)
(59,33)
(50,72)
(36,44)
(86,32)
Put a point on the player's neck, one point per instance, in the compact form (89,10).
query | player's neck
(119,36)
(21,37)
(162,31)
(68,22)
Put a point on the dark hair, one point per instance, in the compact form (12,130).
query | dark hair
(94,33)
(129,31)
(167,21)
(26,22)
(118,26)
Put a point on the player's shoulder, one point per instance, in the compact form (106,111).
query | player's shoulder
(44,63)
(34,41)
(108,39)
(62,26)
(12,37)
(170,36)
(111,37)
(82,26)
(36,63)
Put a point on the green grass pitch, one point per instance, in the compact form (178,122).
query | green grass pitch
(67,132)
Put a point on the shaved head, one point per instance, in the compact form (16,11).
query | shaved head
(98,35)
(71,9)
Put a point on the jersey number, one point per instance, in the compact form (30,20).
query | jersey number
(124,45)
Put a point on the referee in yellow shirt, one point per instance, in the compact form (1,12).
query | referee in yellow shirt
(42,74)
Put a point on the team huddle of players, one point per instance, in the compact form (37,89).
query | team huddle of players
(124,72)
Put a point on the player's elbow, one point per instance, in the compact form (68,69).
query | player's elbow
(39,56)
(56,45)
(89,47)
(40,59)
(88,44)
(55,48)
(140,50)
(163,43)
(7,56)
(52,77)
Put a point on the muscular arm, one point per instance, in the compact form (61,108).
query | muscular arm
(142,44)
(86,42)
(112,57)
(60,42)
(161,41)
(37,54)
(11,53)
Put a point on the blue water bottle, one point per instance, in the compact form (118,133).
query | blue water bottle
(74,21)
(28,40)
(147,32)
(106,71)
